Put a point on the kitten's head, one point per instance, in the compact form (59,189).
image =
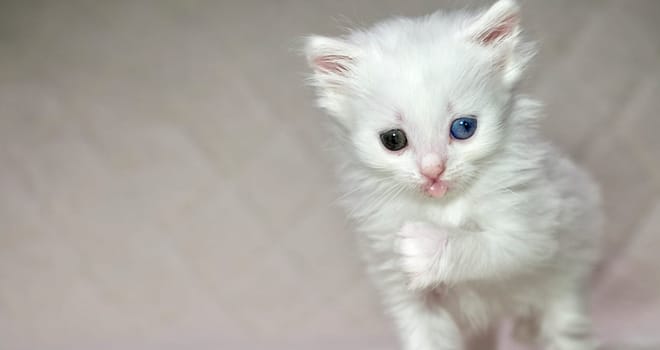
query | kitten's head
(423,102)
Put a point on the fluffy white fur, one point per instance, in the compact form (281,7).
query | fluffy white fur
(516,233)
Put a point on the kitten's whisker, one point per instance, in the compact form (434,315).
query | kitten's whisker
(389,194)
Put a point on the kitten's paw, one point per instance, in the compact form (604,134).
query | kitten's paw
(420,247)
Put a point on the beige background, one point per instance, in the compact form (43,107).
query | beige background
(164,184)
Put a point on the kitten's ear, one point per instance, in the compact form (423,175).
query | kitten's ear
(329,56)
(498,28)
(332,61)
(500,23)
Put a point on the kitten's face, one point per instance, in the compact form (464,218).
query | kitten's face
(424,101)
(427,118)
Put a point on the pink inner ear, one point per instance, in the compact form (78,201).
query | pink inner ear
(332,63)
(500,31)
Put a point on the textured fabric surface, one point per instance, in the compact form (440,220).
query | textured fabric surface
(164,183)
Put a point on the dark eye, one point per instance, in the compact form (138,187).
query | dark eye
(463,128)
(394,139)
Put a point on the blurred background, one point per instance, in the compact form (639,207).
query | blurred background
(164,182)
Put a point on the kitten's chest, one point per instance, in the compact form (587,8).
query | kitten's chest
(459,214)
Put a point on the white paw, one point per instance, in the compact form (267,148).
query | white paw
(420,247)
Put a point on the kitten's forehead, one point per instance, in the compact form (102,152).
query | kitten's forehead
(413,60)
(423,77)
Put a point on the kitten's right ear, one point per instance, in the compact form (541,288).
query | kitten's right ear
(332,61)
(329,56)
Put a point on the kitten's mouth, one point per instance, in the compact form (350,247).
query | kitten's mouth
(435,189)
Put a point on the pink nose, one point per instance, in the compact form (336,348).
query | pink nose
(432,166)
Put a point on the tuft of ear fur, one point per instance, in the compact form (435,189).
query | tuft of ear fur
(330,56)
(498,29)
(498,24)
(332,61)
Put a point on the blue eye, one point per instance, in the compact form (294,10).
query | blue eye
(463,128)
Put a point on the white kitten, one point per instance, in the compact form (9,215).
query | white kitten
(466,216)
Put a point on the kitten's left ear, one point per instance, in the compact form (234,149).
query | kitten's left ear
(498,24)
(498,29)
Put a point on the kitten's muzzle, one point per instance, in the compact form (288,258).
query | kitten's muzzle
(432,167)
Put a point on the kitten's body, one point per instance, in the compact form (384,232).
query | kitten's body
(556,198)
(514,235)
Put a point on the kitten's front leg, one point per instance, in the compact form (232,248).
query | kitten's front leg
(564,321)
(424,325)
(421,246)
